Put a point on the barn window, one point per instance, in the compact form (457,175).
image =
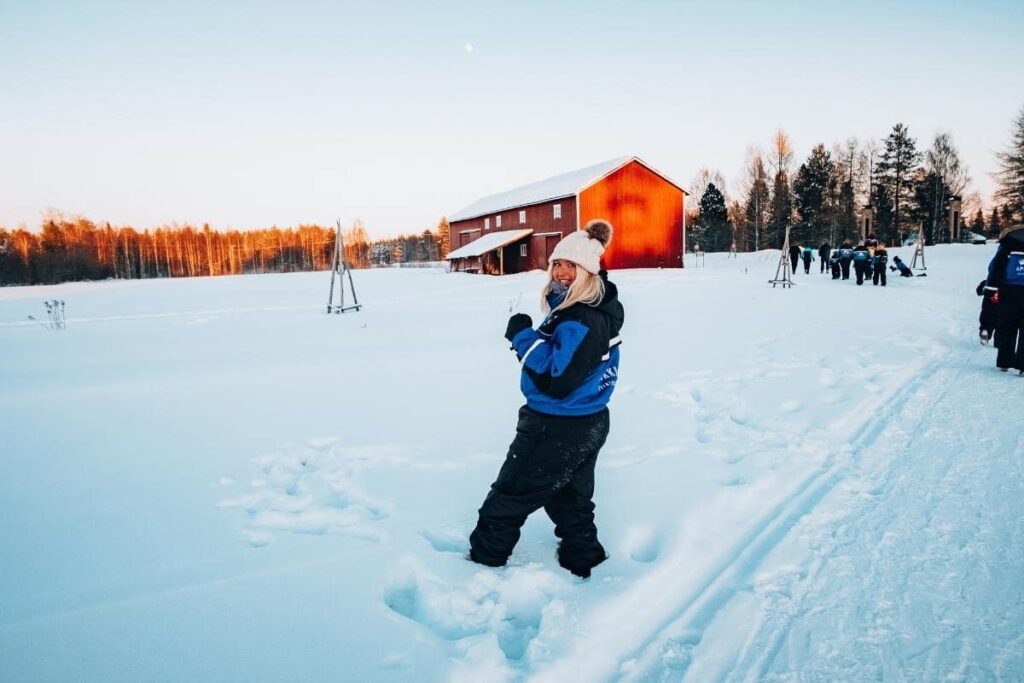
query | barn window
(522,217)
(487,224)
(497,221)
(522,250)
(558,210)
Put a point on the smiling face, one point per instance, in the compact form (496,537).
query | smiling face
(563,271)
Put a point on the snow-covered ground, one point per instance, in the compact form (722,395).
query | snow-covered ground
(211,479)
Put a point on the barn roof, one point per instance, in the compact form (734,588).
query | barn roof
(564,185)
(489,242)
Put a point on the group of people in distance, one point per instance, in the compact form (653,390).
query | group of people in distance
(869,259)
(1002,304)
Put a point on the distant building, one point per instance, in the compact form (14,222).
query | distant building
(516,231)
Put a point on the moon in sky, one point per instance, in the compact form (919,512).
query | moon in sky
(469,47)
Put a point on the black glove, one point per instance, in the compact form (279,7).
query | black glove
(516,324)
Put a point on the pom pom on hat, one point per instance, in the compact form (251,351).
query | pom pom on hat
(599,230)
(585,247)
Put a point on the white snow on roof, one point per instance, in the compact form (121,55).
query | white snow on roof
(489,242)
(565,185)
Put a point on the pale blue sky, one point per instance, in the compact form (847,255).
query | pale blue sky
(247,114)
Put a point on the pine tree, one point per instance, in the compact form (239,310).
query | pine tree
(1007,216)
(978,224)
(994,224)
(810,196)
(883,209)
(1010,176)
(781,210)
(714,220)
(895,170)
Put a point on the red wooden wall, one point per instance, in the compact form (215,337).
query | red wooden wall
(646,212)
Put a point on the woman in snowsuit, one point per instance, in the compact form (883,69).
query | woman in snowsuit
(1006,273)
(569,369)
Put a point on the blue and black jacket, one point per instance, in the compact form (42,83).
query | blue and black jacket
(571,361)
(1007,266)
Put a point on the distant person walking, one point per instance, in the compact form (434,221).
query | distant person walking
(861,256)
(569,369)
(824,252)
(794,256)
(845,258)
(878,264)
(808,255)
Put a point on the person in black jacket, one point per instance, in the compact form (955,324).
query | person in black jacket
(569,371)
(899,265)
(794,256)
(824,252)
(878,263)
(833,263)
(1006,273)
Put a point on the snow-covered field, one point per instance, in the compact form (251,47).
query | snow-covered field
(211,479)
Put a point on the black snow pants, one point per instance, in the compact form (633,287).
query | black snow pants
(879,275)
(807,264)
(550,465)
(1010,328)
(860,268)
(844,264)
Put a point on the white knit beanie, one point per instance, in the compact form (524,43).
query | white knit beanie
(584,247)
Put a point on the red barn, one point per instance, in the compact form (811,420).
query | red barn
(515,231)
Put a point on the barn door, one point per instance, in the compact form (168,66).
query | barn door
(549,246)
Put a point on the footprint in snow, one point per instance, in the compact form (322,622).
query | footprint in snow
(513,605)
(447,541)
(643,544)
(309,490)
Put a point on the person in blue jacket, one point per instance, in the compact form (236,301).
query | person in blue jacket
(569,370)
(861,259)
(808,255)
(1006,274)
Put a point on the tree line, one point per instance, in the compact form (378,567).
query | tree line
(899,187)
(76,248)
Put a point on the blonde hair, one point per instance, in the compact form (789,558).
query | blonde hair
(587,289)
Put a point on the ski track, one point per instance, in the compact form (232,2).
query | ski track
(797,608)
(687,614)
